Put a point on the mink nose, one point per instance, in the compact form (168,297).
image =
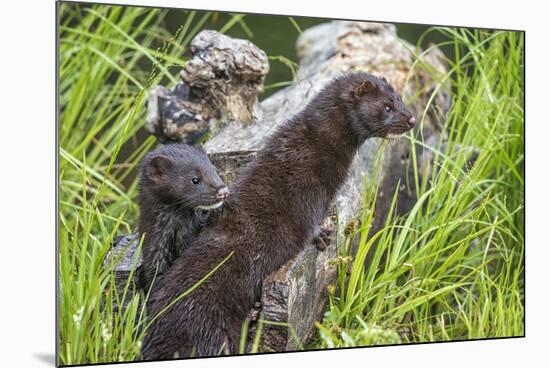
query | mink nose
(222,193)
(411,122)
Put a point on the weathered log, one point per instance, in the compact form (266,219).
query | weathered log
(221,83)
(228,74)
(296,294)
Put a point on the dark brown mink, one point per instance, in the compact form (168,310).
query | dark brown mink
(179,186)
(275,209)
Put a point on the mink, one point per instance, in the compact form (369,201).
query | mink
(179,187)
(277,203)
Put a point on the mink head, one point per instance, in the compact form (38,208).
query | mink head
(182,176)
(376,109)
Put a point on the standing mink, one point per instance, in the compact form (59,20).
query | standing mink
(178,185)
(275,209)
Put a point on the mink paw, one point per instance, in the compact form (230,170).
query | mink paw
(321,237)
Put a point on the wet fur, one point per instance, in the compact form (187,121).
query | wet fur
(276,205)
(170,215)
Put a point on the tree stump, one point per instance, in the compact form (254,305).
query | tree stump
(296,294)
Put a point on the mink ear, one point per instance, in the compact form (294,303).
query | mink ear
(366,86)
(158,167)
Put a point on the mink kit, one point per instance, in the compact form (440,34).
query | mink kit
(179,187)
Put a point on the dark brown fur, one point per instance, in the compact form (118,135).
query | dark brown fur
(275,208)
(172,207)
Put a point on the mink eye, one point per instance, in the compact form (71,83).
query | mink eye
(196,180)
(388,109)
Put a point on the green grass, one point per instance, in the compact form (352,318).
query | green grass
(452,269)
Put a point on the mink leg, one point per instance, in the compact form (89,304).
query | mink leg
(321,237)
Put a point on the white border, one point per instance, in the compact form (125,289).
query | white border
(27,177)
